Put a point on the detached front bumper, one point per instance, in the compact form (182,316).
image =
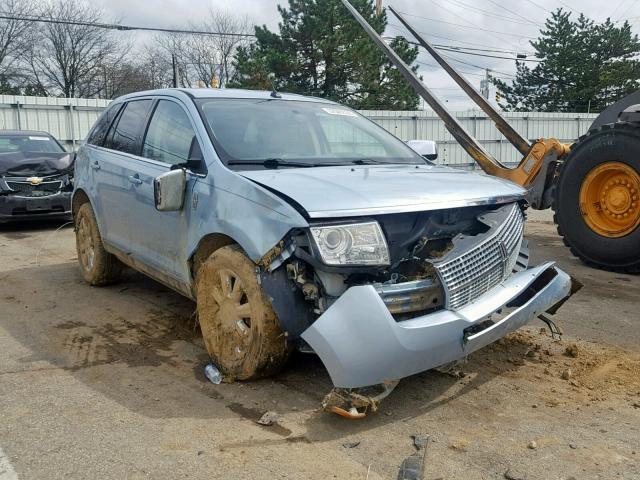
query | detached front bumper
(17,207)
(361,344)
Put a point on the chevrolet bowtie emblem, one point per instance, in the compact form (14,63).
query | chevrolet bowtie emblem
(35,180)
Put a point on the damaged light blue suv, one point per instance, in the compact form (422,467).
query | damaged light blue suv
(295,222)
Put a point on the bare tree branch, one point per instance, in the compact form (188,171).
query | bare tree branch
(71,60)
(14,34)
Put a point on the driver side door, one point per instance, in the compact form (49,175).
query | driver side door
(159,237)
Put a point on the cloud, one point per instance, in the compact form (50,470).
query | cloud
(487,24)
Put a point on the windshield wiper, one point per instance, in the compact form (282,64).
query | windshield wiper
(371,161)
(279,162)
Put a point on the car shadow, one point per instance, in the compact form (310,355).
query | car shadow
(138,344)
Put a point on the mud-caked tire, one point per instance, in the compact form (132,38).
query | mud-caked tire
(240,329)
(98,267)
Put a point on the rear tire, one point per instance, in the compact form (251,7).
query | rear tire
(590,219)
(98,266)
(240,329)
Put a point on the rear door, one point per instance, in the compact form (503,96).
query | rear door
(116,179)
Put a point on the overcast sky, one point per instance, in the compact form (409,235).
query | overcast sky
(488,24)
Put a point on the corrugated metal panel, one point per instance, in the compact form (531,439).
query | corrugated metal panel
(67,119)
(70,119)
(426,125)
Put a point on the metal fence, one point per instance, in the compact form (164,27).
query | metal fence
(426,125)
(69,120)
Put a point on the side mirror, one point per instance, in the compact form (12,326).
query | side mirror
(169,189)
(425,148)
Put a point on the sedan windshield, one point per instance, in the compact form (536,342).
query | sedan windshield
(28,144)
(276,133)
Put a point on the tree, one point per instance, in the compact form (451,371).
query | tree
(15,34)
(71,60)
(211,56)
(584,66)
(321,50)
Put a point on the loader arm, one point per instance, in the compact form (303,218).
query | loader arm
(536,158)
(507,130)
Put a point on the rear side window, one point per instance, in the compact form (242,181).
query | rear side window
(170,137)
(96,137)
(126,134)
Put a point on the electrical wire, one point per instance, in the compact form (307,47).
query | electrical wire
(454,39)
(616,9)
(538,5)
(631,5)
(115,26)
(488,13)
(448,48)
(474,27)
(514,13)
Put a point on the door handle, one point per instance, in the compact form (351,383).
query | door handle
(135,179)
(95,165)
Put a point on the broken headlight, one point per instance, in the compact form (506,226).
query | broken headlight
(353,244)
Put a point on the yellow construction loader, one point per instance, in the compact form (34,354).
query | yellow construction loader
(593,185)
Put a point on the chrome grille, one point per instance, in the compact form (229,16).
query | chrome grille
(472,274)
(44,187)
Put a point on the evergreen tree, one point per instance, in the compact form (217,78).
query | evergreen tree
(321,50)
(584,66)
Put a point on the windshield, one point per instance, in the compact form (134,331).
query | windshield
(28,144)
(297,132)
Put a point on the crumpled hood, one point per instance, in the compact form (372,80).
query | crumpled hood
(21,164)
(369,190)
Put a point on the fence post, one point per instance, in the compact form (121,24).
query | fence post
(577,135)
(72,129)
(18,114)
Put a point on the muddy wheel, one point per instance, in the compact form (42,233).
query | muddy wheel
(240,329)
(98,266)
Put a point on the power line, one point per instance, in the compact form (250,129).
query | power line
(616,9)
(488,56)
(567,6)
(115,26)
(449,48)
(427,64)
(473,24)
(538,5)
(488,13)
(397,27)
(470,27)
(478,66)
(514,13)
(631,5)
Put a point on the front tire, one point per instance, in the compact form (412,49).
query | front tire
(239,327)
(596,201)
(98,266)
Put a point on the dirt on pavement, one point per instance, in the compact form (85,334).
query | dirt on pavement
(108,383)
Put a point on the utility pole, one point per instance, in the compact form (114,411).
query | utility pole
(175,70)
(484,84)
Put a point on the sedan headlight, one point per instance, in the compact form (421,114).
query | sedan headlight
(354,244)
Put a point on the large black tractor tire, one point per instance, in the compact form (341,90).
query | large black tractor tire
(597,198)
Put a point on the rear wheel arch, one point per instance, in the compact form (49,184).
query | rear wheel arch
(80,197)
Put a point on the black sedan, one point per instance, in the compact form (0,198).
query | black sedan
(36,176)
